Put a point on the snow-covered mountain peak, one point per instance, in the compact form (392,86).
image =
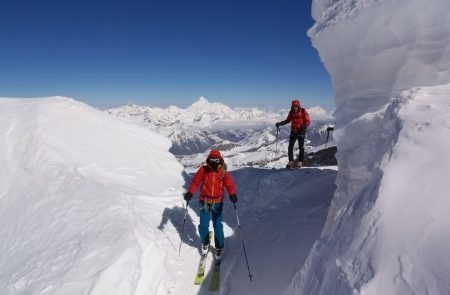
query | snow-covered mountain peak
(202,100)
(204,106)
(318,112)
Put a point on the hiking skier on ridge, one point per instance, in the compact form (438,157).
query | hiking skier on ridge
(212,177)
(300,121)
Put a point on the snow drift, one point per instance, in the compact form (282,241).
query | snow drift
(373,50)
(79,193)
(386,231)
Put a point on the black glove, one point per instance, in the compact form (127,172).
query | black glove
(303,129)
(187,196)
(233,198)
(277,124)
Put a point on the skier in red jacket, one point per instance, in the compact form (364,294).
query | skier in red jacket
(212,177)
(300,121)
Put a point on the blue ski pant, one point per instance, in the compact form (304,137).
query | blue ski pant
(212,212)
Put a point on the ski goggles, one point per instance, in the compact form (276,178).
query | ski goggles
(214,160)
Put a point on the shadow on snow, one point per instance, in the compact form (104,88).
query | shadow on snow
(282,212)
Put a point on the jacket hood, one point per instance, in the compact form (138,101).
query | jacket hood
(214,154)
(296,103)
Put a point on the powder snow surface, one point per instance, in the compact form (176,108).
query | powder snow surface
(78,190)
(90,204)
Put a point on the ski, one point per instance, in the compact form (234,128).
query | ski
(201,270)
(200,276)
(214,283)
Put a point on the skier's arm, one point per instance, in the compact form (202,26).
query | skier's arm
(198,178)
(288,120)
(229,184)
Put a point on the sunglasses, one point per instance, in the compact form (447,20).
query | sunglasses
(215,160)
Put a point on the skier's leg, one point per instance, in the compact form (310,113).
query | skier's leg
(301,146)
(216,212)
(203,227)
(292,139)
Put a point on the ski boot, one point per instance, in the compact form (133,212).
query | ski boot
(297,164)
(290,165)
(218,254)
(205,249)
(205,246)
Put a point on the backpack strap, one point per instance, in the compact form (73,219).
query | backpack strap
(224,171)
(303,115)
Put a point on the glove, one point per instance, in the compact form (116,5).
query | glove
(277,124)
(233,198)
(303,129)
(187,196)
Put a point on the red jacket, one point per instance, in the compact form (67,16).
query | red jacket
(299,118)
(212,182)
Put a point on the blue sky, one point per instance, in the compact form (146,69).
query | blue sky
(106,53)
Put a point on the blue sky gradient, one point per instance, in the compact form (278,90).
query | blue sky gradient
(167,52)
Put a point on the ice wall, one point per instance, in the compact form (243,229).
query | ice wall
(373,51)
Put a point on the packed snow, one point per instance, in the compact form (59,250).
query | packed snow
(91,204)
(386,232)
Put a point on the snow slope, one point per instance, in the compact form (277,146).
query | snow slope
(90,204)
(278,224)
(78,191)
(386,232)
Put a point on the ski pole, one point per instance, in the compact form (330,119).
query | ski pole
(329,131)
(242,240)
(276,145)
(184,223)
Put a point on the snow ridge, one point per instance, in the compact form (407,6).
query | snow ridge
(74,201)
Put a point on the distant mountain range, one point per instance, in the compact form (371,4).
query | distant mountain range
(246,136)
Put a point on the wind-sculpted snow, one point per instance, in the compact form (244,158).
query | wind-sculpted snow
(78,195)
(385,232)
(376,49)
(385,229)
